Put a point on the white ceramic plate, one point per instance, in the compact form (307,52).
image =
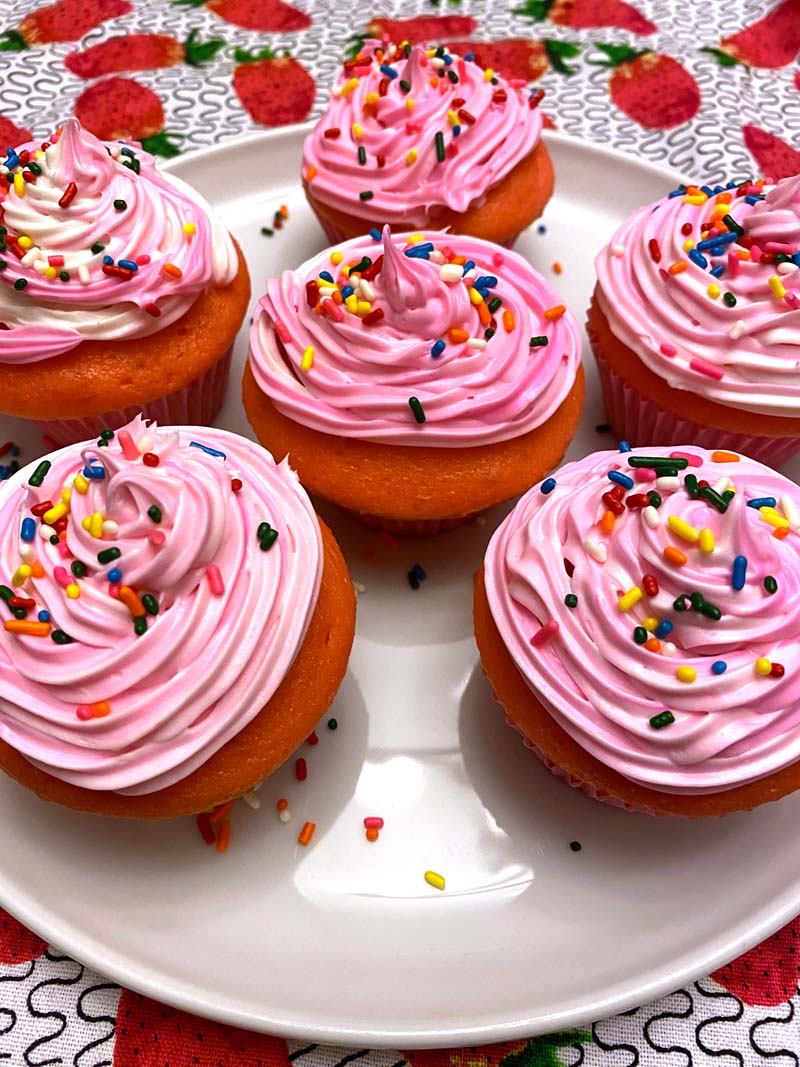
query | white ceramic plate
(344,941)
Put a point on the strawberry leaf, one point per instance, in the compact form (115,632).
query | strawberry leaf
(188,3)
(534,9)
(160,144)
(558,51)
(723,58)
(196,53)
(241,55)
(11,41)
(353,47)
(541,1051)
(616,55)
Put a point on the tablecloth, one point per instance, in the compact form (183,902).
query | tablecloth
(710,89)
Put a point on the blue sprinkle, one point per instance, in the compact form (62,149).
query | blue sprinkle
(12,159)
(707,190)
(28,531)
(548,485)
(718,271)
(796,259)
(15,450)
(731,185)
(719,667)
(752,199)
(375,234)
(676,192)
(762,502)
(326,275)
(114,575)
(43,616)
(621,479)
(420,251)
(698,258)
(624,446)
(127,152)
(98,473)
(470,56)
(483,292)
(456,130)
(739,572)
(438,348)
(469,265)
(207,448)
(541,229)
(664,629)
(719,189)
(720,239)
(390,72)
(108,260)
(347,290)
(447,60)
(419,572)
(128,264)
(486,280)
(4,473)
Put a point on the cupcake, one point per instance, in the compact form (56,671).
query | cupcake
(119,291)
(176,622)
(638,616)
(695,321)
(421,139)
(414,380)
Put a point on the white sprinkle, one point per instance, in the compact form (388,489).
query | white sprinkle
(144,444)
(436,256)
(618,250)
(668,649)
(46,532)
(437,63)
(359,587)
(366,289)
(787,268)
(30,257)
(110,527)
(721,484)
(790,511)
(40,266)
(651,517)
(736,331)
(470,276)
(596,549)
(668,482)
(450,272)
(284,815)
(83,274)
(252,800)
(27,553)
(326,290)
(476,342)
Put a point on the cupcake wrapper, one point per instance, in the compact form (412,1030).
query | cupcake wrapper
(638,420)
(196,404)
(409,527)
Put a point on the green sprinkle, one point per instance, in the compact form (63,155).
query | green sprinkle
(107,435)
(108,555)
(640,635)
(154,511)
(538,342)
(78,568)
(575,846)
(654,498)
(268,540)
(150,604)
(20,284)
(413,580)
(120,205)
(728,495)
(361,266)
(263,530)
(665,718)
(6,593)
(691,486)
(714,499)
(102,443)
(656,462)
(19,613)
(679,603)
(697,600)
(494,304)
(362,155)
(60,637)
(571,600)
(3,264)
(63,276)
(729,300)
(38,475)
(417,409)
(34,168)
(366,195)
(711,611)
(140,625)
(267,232)
(97,247)
(770,584)
(451,74)
(333,724)
(54,539)
(132,164)
(404,85)
(439,141)
(732,224)
(489,333)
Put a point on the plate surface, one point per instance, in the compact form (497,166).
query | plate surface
(344,941)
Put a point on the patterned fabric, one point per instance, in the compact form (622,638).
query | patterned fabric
(710,90)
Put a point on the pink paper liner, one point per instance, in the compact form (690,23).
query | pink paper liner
(409,527)
(196,404)
(640,421)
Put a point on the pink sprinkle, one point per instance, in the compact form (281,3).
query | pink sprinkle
(373,822)
(792,300)
(755,253)
(55,261)
(84,712)
(113,590)
(129,449)
(734,264)
(157,538)
(282,332)
(142,261)
(447,251)
(215,580)
(550,629)
(780,247)
(462,71)
(694,461)
(753,190)
(333,310)
(668,350)
(61,576)
(63,550)
(645,474)
(704,367)
(517,83)
(498,259)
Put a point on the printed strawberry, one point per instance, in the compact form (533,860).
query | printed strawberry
(274,90)
(140,51)
(520,57)
(17,943)
(266,16)
(773,41)
(11,134)
(767,974)
(66,20)
(151,1035)
(797,80)
(538,1052)
(775,158)
(421,29)
(587,14)
(122,108)
(654,90)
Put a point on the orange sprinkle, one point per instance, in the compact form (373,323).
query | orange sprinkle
(484,314)
(282,804)
(457,336)
(23,626)
(725,198)
(555,313)
(675,556)
(652,644)
(220,811)
(433,82)
(607,522)
(724,457)
(460,260)
(100,709)
(224,837)
(306,833)
(677,268)
(131,601)
(781,532)
(37,570)
(311,174)
(336,296)
(284,210)
(172,270)
(508,320)
(557,268)
(372,833)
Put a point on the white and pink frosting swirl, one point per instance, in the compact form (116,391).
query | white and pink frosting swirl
(75,213)
(391,108)
(739,719)
(350,368)
(691,284)
(115,709)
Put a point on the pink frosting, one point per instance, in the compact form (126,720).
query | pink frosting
(602,686)
(371,110)
(209,660)
(49,315)
(745,355)
(475,392)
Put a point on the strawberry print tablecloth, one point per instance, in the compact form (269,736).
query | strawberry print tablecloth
(710,89)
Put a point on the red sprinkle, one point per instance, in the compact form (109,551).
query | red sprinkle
(650,585)
(613,503)
(373,318)
(312,738)
(373,270)
(68,195)
(383,86)
(550,629)
(55,261)
(637,500)
(300,769)
(21,602)
(332,133)
(380,159)
(655,251)
(236,485)
(686,229)
(220,811)
(466,117)
(536,99)
(312,294)
(206,829)
(152,309)
(150,459)
(6,448)
(499,97)
(29,176)
(777,670)
(113,271)
(39,509)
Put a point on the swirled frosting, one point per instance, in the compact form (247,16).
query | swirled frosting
(467,329)
(704,287)
(712,699)
(98,245)
(405,134)
(184,616)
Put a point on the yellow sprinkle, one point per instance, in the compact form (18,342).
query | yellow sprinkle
(349,86)
(434,879)
(627,600)
(415,238)
(96,525)
(80,485)
(86,521)
(696,199)
(351,303)
(364,307)
(21,574)
(372,98)
(58,511)
(409,103)
(66,494)
(50,272)
(73,591)
(713,291)
(189,229)
(39,154)
(771,516)
(683,529)
(19,184)
(336,258)
(706,540)
(488,74)
(688,244)
(357,130)
(25,242)
(686,674)
(452,118)
(775,284)
(308,358)
(475,296)
(650,623)
(763,665)
(411,157)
